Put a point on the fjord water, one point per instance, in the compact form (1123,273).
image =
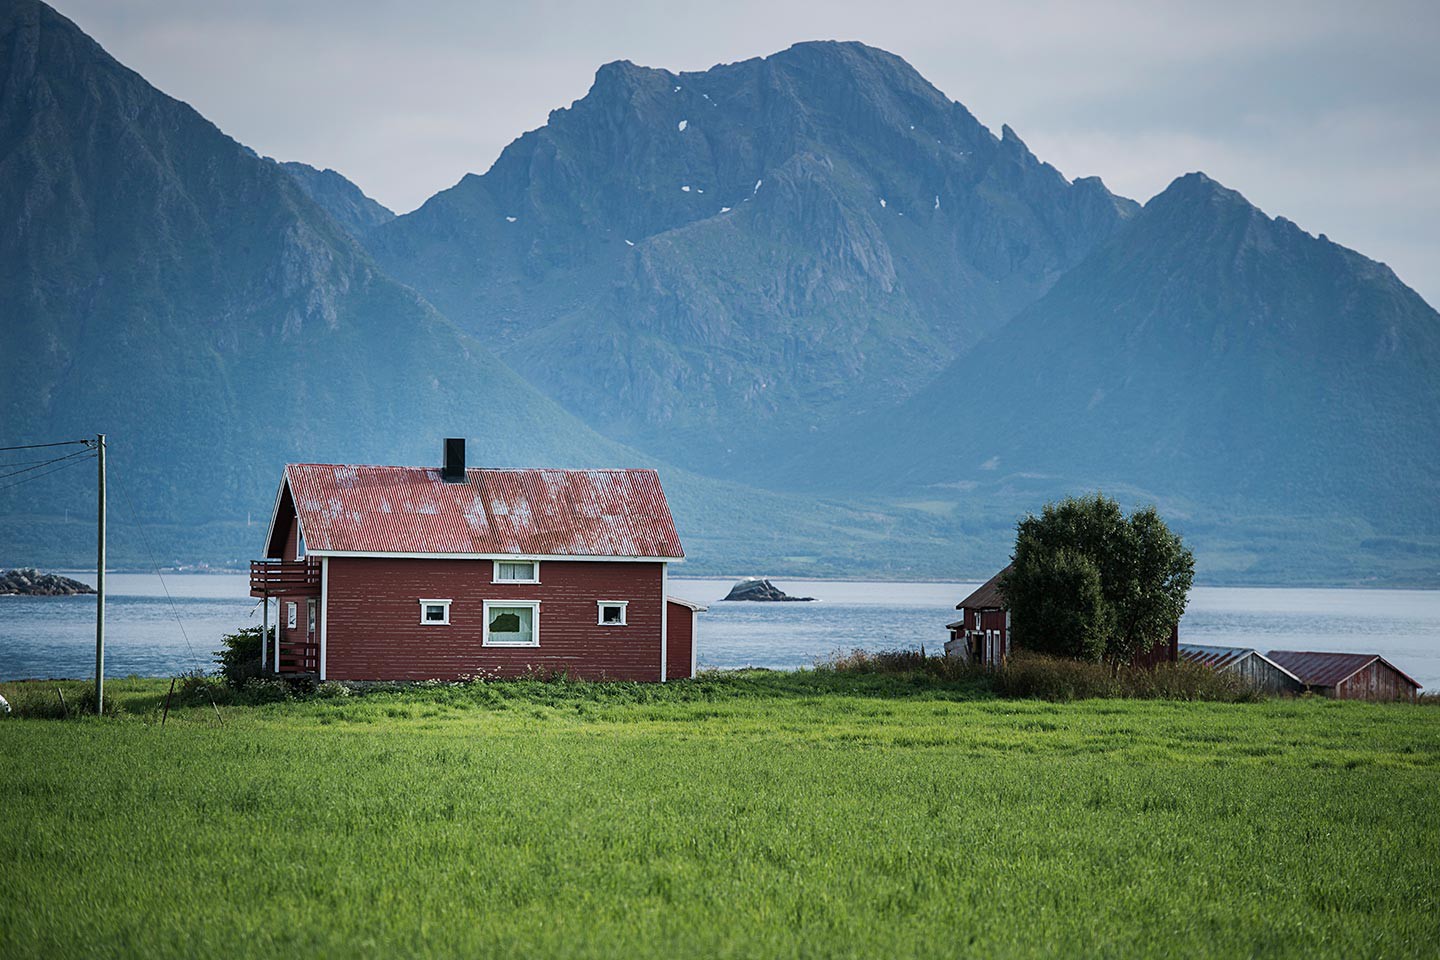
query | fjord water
(54,636)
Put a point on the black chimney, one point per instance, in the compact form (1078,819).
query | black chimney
(454,469)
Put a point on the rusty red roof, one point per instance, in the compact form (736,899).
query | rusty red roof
(532,512)
(987,596)
(1317,669)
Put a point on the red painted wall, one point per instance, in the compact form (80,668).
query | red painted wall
(1375,682)
(1166,651)
(680,638)
(375,632)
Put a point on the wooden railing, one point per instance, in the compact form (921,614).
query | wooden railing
(299,656)
(293,577)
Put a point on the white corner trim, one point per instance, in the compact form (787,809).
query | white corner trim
(495,570)
(600,606)
(431,601)
(694,640)
(534,606)
(324,606)
(664,619)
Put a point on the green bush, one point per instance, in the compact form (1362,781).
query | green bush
(196,689)
(239,656)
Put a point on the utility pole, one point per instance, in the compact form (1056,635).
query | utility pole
(100,584)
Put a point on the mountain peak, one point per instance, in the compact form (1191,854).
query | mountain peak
(1198,187)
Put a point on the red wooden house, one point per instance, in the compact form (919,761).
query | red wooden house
(420,573)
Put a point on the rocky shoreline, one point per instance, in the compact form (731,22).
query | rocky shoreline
(29,582)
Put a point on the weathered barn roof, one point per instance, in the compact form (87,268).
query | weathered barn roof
(1318,669)
(1219,658)
(987,596)
(539,513)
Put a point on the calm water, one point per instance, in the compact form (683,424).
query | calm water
(54,636)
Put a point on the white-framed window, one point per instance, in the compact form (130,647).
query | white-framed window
(611,612)
(977,619)
(291,615)
(435,612)
(312,613)
(517,571)
(512,623)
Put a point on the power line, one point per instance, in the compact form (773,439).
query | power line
(71,463)
(43,463)
(22,463)
(37,446)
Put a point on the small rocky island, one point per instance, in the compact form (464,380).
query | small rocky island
(758,588)
(29,582)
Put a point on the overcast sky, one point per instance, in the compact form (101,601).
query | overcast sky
(1327,113)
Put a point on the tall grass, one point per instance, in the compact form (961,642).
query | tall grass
(1035,676)
(827,814)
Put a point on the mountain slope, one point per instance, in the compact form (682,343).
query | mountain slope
(340,198)
(714,263)
(1207,354)
(162,283)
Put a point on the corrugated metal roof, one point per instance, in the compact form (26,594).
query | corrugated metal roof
(1216,657)
(533,512)
(1321,669)
(987,596)
(1221,657)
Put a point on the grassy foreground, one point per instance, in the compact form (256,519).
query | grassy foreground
(738,816)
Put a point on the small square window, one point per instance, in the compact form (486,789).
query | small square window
(517,571)
(612,612)
(435,611)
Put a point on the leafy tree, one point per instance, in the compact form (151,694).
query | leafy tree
(1091,583)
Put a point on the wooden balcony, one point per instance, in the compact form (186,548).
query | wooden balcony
(269,578)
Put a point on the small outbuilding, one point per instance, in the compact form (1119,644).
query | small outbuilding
(1257,669)
(1348,676)
(982,634)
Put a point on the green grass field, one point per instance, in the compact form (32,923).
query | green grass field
(738,816)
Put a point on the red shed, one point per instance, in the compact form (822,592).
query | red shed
(1348,676)
(419,573)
